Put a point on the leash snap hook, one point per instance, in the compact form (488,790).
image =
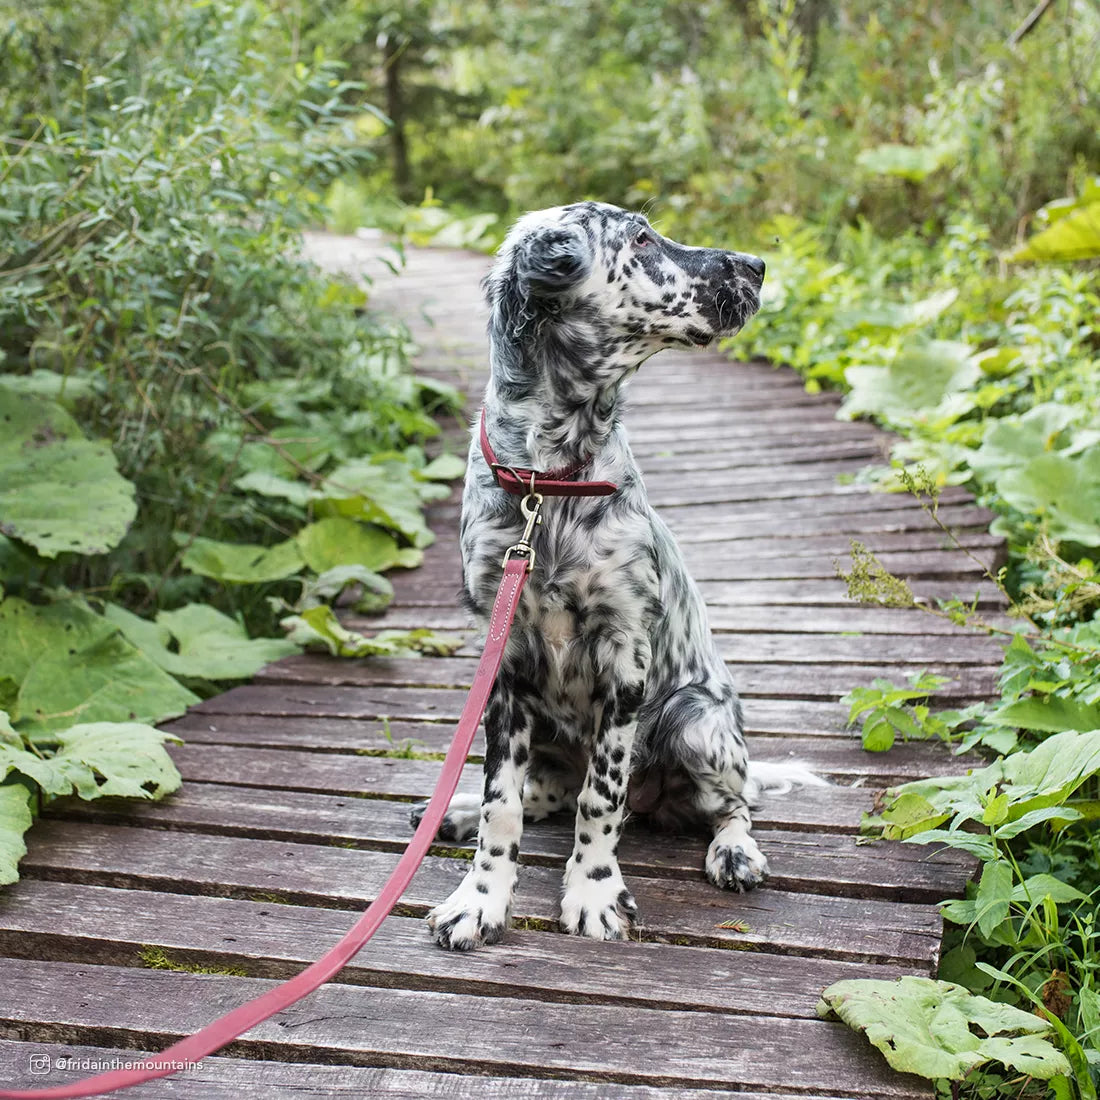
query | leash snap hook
(531,506)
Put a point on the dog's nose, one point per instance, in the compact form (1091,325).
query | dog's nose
(755,265)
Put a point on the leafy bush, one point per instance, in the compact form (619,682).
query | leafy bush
(202,434)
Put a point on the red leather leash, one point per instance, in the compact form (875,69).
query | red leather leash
(518,562)
(234,1024)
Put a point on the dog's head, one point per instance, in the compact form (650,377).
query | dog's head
(599,268)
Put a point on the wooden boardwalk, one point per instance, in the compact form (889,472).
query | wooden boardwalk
(295,806)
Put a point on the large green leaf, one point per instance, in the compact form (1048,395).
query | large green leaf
(242,563)
(337,540)
(914,385)
(896,315)
(382,492)
(59,492)
(72,665)
(126,759)
(445,467)
(1073,235)
(15,820)
(1029,781)
(199,642)
(1047,714)
(938,1029)
(1064,490)
(98,759)
(374,592)
(1011,441)
(273,485)
(318,628)
(910,162)
(65,389)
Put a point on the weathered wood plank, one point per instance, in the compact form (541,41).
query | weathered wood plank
(672,434)
(817,862)
(791,681)
(309,874)
(793,646)
(762,454)
(445,549)
(835,593)
(743,619)
(767,715)
(717,564)
(817,810)
(98,924)
(442,586)
(832,756)
(234,1078)
(628,1045)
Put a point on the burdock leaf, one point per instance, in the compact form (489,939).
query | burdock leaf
(242,563)
(199,642)
(15,820)
(72,666)
(938,1029)
(59,492)
(117,758)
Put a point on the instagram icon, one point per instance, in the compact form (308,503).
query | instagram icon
(39,1063)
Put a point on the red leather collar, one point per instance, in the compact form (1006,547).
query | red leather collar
(552,483)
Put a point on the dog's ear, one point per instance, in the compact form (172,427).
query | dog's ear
(530,278)
(552,260)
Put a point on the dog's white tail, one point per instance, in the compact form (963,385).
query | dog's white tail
(768,777)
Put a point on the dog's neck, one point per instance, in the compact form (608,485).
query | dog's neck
(555,402)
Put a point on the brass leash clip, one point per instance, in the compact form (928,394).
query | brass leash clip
(531,505)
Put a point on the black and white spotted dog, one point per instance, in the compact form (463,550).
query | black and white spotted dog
(611,693)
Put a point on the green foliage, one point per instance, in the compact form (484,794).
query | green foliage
(1030,786)
(1070,229)
(236,563)
(1033,907)
(931,1028)
(66,664)
(887,711)
(917,385)
(98,760)
(198,642)
(90,760)
(855,110)
(869,582)
(318,628)
(16,800)
(60,492)
(198,428)
(910,162)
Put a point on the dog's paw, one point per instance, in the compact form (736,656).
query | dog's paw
(468,919)
(459,823)
(600,907)
(736,866)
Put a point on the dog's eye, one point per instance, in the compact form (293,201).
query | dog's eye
(643,238)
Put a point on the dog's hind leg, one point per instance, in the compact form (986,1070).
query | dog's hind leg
(700,726)
(554,776)
(477,912)
(733,862)
(459,823)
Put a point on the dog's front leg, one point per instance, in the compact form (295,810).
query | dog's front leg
(595,900)
(477,912)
